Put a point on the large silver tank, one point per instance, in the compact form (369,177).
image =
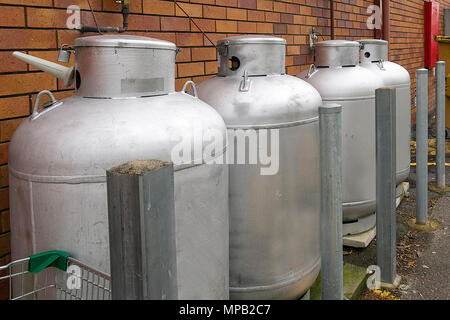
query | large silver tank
(274,219)
(339,79)
(125,108)
(374,57)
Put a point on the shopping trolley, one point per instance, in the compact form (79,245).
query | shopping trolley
(54,275)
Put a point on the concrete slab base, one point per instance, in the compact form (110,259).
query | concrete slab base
(360,240)
(394,285)
(354,283)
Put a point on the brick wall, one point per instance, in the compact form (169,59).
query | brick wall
(38,27)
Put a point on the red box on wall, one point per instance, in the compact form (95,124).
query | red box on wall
(431,27)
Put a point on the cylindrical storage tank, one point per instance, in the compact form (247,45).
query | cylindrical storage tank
(337,76)
(374,57)
(273,136)
(125,108)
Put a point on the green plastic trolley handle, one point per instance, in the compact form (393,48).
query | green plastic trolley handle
(43,260)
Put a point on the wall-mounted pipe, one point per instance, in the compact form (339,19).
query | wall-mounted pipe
(332,18)
(99,29)
(385,11)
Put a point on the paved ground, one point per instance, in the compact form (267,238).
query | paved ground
(423,256)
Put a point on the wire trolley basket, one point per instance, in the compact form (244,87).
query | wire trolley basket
(54,275)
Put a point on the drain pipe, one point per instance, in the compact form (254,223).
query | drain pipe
(386,29)
(99,29)
(332,18)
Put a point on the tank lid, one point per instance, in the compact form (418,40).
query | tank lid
(337,43)
(124,41)
(336,53)
(373,50)
(251,39)
(253,55)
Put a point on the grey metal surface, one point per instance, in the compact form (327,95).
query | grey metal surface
(354,89)
(274,219)
(373,50)
(392,75)
(422,146)
(386,184)
(258,55)
(333,53)
(331,201)
(440,124)
(141,219)
(57,166)
(124,41)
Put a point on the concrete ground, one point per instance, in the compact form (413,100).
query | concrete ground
(423,255)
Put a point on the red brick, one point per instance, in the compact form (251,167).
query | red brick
(264,5)
(11,64)
(159,7)
(226,26)
(5,244)
(143,22)
(46,18)
(184,55)
(236,14)
(14,107)
(193,10)
(211,67)
(108,5)
(247,4)
(103,19)
(83,4)
(174,24)
(12,16)
(253,15)
(204,24)
(214,12)
(272,17)
(189,39)
(246,27)
(40,3)
(7,128)
(191,69)
(27,39)
(3,178)
(11,84)
(227,3)
(264,28)
(202,54)
(4,153)
(4,217)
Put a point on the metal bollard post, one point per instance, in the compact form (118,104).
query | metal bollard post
(385,101)
(142,230)
(331,201)
(440,124)
(422,146)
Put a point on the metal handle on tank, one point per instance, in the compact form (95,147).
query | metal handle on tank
(53,103)
(380,64)
(245,83)
(311,71)
(193,88)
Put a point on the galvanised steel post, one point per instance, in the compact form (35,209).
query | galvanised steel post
(331,201)
(142,230)
(440,124)
(422,146)
(385,114)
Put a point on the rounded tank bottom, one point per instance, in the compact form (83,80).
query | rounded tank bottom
(362,225)
(289,289)
(401,175)
(353,211)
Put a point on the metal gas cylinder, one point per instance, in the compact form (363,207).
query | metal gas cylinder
(124,108)
(274,207)
(337,76)
(374,57)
